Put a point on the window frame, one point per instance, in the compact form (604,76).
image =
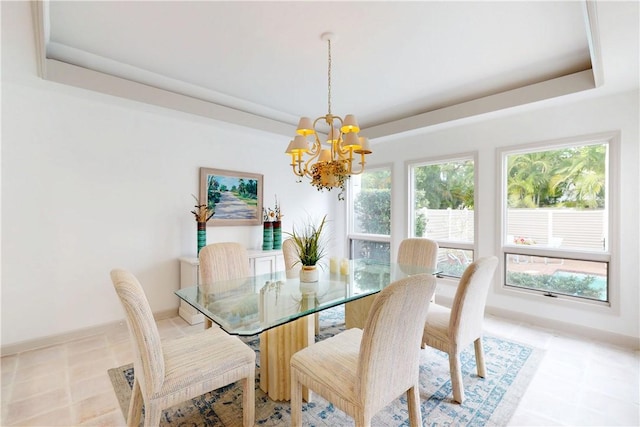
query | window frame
(410,165)
(505,248)
(350,215)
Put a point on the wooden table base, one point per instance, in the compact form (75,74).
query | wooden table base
(277,345)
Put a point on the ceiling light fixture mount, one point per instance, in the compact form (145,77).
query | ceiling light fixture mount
(330,167)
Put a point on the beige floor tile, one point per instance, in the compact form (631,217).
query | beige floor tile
(122,353)
(117,334)
(86,344)
(40,356)
(527,418)
(90,387)
(37,405)
(57,417)
(38,385)
(9,363)
(7,378)
(554,387)
(562,371)
(40,370)
(91,368)
(111,419)
(94,406)
(80,358)
(617,411)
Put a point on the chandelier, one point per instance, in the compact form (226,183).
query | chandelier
(331,166)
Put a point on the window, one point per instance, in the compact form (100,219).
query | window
(442,200)
(556,209)
(370,214)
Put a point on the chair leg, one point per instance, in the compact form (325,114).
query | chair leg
(135,405)
(480,365)
(456,377)
(413,401)
(296,399)
(152,415)
(249,400)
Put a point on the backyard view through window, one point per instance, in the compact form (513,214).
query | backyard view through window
(556,220)
(442,209)
(370,221)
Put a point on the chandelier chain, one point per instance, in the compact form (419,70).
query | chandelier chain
(329,76)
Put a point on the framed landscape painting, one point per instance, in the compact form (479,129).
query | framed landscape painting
(235,197)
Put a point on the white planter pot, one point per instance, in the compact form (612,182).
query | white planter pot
(309,274)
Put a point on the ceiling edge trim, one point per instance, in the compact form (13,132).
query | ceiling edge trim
(593,39)
(72,75)
(565,85)
(40,16)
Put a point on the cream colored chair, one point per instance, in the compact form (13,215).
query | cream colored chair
(413,251)
(293,267)
(222,261)
(291,264)
(361,372)
(170,372)
(452,330)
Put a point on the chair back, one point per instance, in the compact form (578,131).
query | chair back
(467,310)
(223,261)
(390,349)
(291,264)
(149,360)
(418,251)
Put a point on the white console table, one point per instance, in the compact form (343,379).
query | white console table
(260,262)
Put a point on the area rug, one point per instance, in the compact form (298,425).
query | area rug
(489,401)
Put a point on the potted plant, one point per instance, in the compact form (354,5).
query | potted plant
(310,248)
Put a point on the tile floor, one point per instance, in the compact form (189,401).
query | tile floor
(579,382)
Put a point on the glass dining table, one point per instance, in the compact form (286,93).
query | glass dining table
(278,308)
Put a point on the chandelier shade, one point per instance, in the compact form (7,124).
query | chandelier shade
(328,164)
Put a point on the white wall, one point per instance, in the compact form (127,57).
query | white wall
(583,116)
(91,182)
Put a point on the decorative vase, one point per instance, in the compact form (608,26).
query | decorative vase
(309,274)
(277,235)
(267,236)
(202,235)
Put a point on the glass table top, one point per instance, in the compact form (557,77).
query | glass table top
(252,305)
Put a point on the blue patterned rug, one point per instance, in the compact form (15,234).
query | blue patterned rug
(489,401)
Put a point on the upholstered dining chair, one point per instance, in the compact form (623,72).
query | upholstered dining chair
(293,267)
(413,251)
(291,264)
(452,330)
(362,371)
(170,372)
(222,261)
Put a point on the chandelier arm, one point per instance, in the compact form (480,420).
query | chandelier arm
(316,122)
(297,172)
(296,164)
(361,163)
(313,153)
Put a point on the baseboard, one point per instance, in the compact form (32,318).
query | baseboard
(48,341)
(620,340)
